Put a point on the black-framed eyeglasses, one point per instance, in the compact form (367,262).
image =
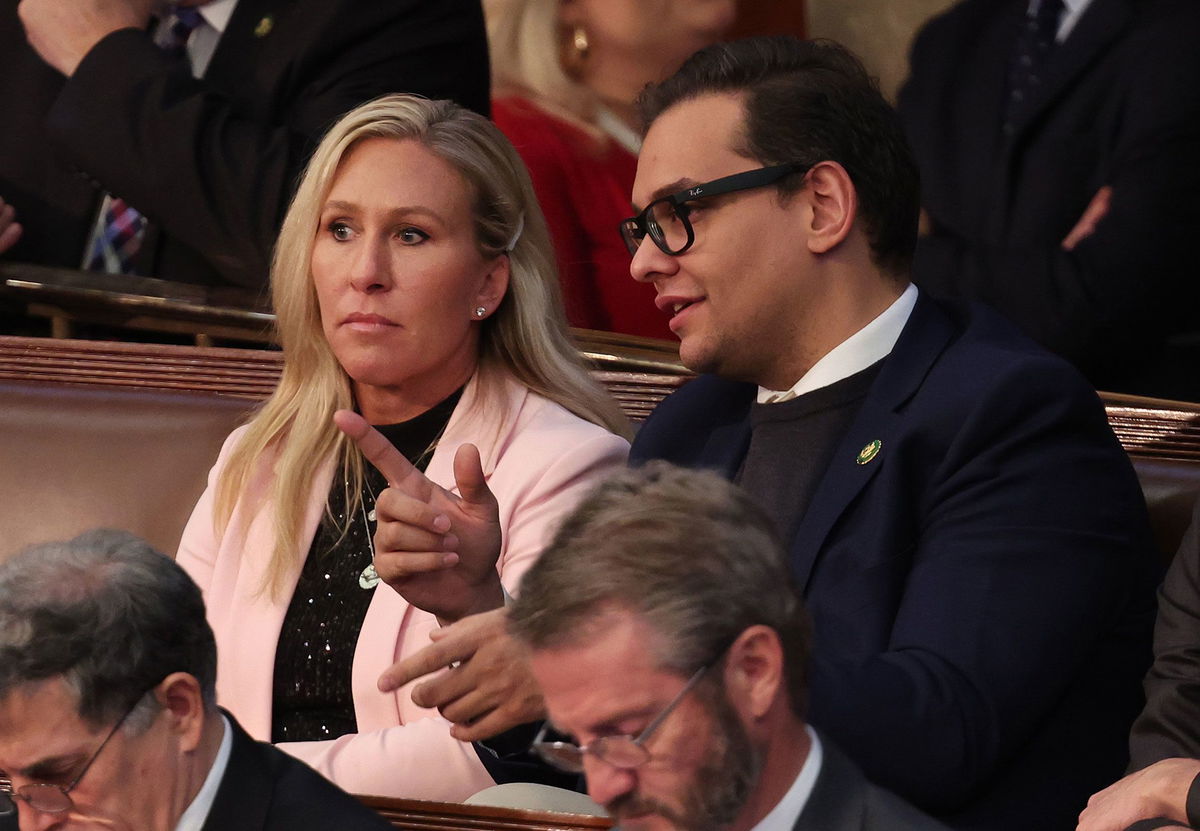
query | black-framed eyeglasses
(56,799)
(619,751)
(667,219)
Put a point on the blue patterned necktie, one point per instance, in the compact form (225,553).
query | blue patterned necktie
(1034,44)
(116,244)
(177,26)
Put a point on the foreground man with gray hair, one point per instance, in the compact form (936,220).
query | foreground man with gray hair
(107,705)
(669,642)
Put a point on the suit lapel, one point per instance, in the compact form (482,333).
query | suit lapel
(246,33)
(1100,25)
(246,790)
(879,419)
(837,800)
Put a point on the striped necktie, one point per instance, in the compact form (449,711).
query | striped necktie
(117,242)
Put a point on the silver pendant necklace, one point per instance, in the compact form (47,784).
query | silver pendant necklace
(368,578)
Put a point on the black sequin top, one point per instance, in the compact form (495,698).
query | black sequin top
(312,699)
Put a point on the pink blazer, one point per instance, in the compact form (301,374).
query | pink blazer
(539,460)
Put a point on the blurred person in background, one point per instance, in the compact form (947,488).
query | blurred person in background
(565,74)
(165,139)
(1057,143)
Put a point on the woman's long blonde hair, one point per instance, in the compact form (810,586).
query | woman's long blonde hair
(525,338)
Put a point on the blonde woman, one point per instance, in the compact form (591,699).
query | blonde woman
(414,284)
(565,74)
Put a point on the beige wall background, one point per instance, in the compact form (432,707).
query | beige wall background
(879,31)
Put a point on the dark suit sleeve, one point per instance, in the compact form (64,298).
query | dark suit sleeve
(998,238)
(214,161)
(1170,724)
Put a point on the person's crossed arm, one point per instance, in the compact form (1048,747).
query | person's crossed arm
(10,229)
(63,31)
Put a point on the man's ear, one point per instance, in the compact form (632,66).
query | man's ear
(834,202)
(754,672)
(180,697)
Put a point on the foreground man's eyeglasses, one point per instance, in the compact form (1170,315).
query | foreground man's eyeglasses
(668,220)
(55,799)
(618,751)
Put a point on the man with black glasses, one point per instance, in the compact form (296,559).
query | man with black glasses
(967,533)
(676,669)
(107,705)
(969,537)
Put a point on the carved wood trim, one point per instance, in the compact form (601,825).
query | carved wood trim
(253,373)
(639,372)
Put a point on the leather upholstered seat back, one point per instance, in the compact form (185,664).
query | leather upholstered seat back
(74,458)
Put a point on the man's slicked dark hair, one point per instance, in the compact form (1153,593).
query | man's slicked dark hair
(808,102)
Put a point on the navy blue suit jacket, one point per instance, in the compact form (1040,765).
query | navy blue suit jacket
(982,590)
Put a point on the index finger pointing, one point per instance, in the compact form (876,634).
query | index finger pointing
(430,659)
(380,452)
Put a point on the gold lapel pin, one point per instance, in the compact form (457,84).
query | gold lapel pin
(869,452)
(264,26)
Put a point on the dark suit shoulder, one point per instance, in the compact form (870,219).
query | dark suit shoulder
(887,812)
(993,393)
(957,21)
(991,350)
(303,798)
(843,800)
(679,423)
(987,358)
(960,368)
(265,789)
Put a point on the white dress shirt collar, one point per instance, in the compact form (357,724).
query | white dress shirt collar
(869,344)
(618,130)
(787,810)
(216,13)
(203,42)
(197,812)
(1072,11)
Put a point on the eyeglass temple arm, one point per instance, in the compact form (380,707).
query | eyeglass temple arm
(739,181)
(653,725)
(661,717)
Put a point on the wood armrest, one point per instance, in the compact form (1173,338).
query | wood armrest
(420,815)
